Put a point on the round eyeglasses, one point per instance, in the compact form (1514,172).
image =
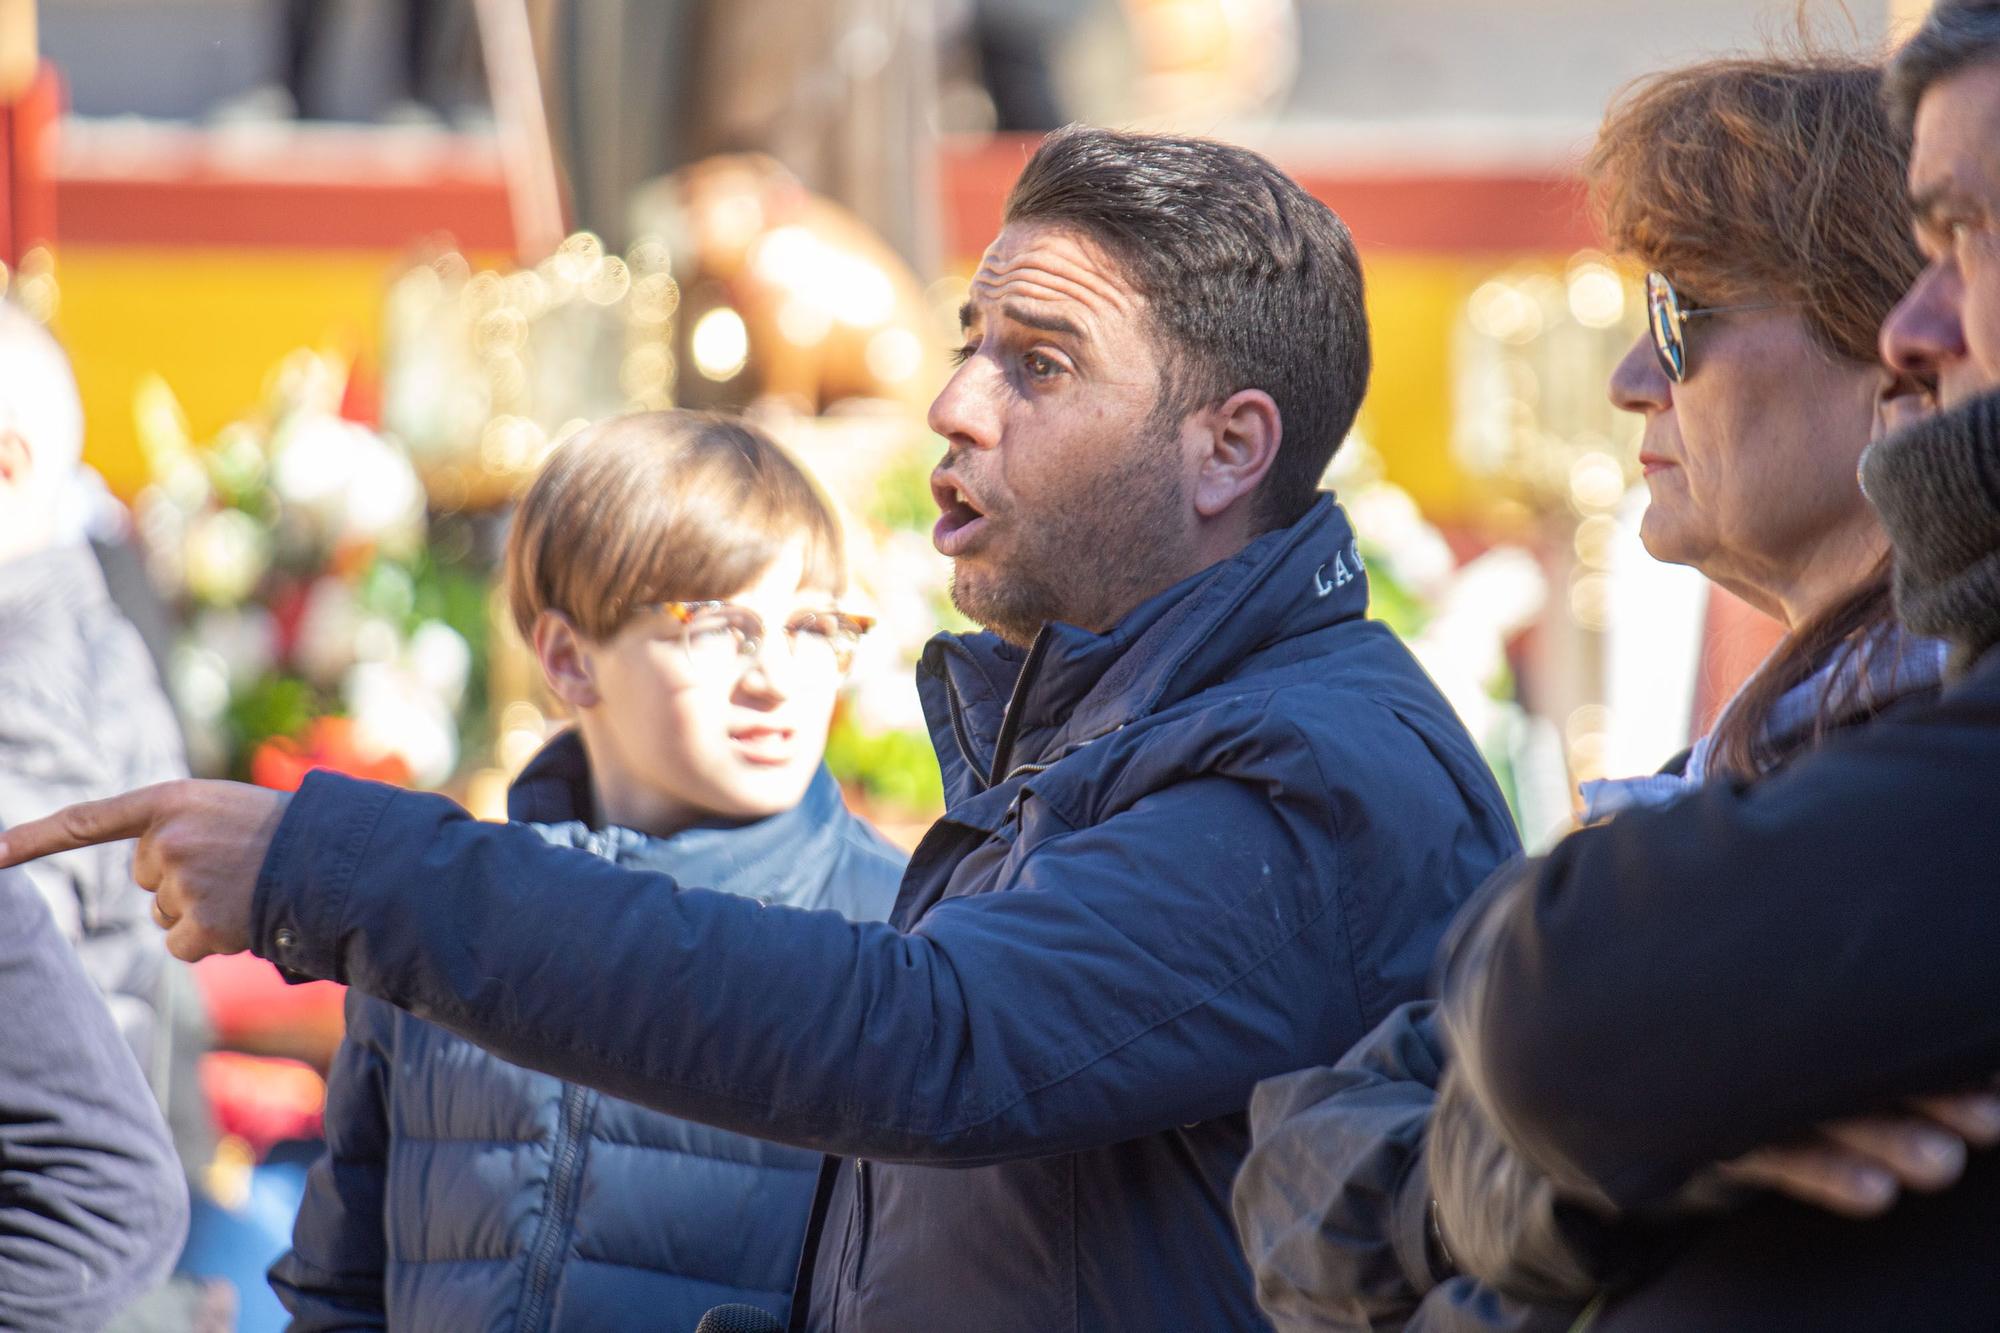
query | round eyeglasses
(721,639)
(1667,315)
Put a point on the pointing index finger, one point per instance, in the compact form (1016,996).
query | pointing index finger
(85,824)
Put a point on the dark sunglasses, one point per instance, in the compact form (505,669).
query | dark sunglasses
(1667,315)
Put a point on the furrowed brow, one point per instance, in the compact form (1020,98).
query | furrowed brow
(1047,323)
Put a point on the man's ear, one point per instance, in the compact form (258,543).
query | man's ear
(1241,442)
(565,657)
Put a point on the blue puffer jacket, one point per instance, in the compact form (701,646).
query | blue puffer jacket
(1215,844)
(461,1192)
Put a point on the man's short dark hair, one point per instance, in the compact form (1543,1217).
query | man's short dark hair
(1954,35)
(1251,282)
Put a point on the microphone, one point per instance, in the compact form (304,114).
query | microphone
(739,1319)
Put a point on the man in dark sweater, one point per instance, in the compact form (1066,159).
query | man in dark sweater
(1682,987)
(93,1208)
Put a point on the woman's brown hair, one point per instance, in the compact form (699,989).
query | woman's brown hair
(1775,179)
(662,506)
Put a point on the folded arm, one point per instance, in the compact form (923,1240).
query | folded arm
(1335,1200)
(1680,986)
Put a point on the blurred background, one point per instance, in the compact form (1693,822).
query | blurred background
(336,274)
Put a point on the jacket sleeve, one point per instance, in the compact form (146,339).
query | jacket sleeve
(332,1277)
(1332,1203)
(1501,1221)
(1679,986)
(93,1205)
(1131,976)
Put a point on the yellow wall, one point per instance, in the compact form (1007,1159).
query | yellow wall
(1414,305)
(212,322)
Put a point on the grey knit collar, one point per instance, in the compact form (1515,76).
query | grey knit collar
(1937,486)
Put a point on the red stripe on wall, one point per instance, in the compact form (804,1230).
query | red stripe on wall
(368,190)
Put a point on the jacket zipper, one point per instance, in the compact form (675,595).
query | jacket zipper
(864,1214)
(576,1105)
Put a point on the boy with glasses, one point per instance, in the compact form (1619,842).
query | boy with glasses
(678,578)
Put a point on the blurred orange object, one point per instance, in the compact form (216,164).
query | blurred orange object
(282,763)
(829,309)
(262,1100)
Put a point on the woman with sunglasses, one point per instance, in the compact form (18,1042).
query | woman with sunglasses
(1765,197)
(679,579)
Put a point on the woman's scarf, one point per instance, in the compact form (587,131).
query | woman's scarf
(1893,666)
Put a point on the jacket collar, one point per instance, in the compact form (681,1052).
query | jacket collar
(555,785)
(783,858)
(993,708)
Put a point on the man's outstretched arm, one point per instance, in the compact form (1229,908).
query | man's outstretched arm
(1073,1007)
(1679,987)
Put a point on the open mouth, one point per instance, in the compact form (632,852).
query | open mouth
(960,521)
(763,745)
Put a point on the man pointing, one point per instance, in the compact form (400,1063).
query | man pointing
(1204,820)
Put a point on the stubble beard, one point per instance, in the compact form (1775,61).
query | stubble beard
(1093,556)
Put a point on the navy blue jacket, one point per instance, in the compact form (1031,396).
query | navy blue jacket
(1215,844)
(461,1192)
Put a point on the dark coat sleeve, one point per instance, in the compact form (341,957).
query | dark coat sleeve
(93,1206)
(1679,986)
(332,1276)
(1334,1198)
(1131,976)
(1501,1221)
(1332,1203)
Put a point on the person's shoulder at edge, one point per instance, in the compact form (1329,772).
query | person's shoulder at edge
(99,1200)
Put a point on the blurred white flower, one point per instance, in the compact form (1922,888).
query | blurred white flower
(356,485)
(243,638)
(376,640)
(324,648)
(395,713)
(1464,644)
(227,552)
(1502,591)
(313,380)
(1395,532)
(440,657)
(199,680)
